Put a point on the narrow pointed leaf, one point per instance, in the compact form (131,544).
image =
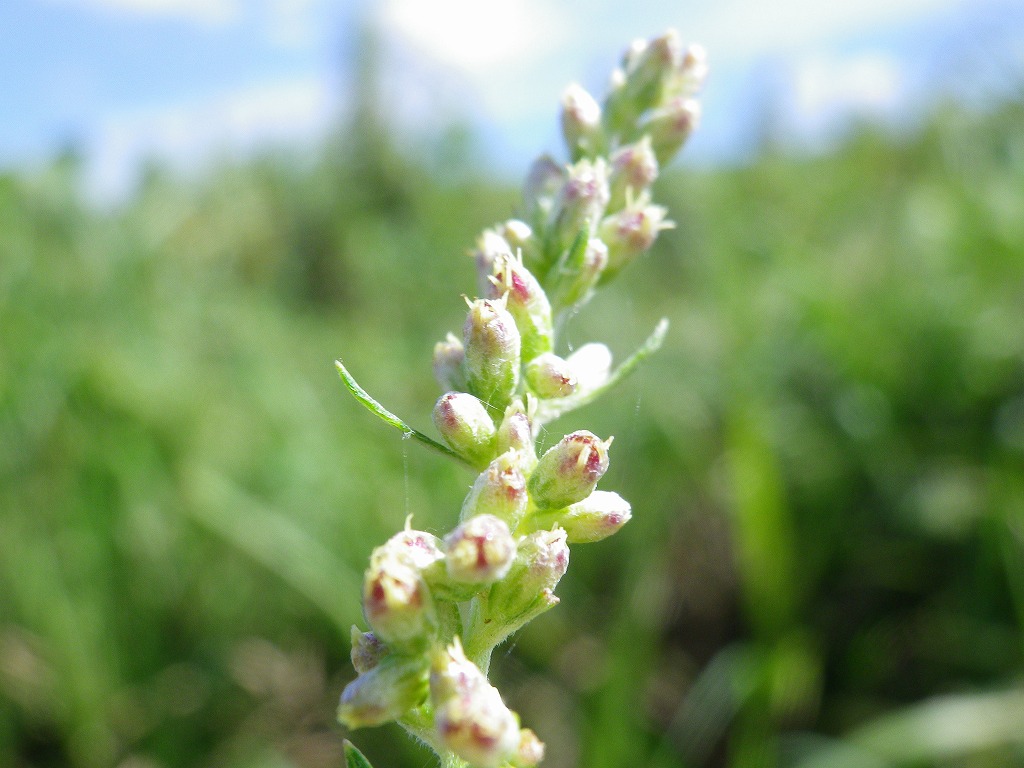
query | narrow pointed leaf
(387,416)
(354,758)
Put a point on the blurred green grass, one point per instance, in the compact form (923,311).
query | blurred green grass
(826,461)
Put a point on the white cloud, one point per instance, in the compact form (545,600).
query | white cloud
(206,12)
(186,135)
(741,27)
(828,90)
(471,35)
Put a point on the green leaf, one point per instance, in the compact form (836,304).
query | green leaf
(388,417)
(353,757)
(549,410)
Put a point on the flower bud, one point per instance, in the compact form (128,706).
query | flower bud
(367,650)
(500,490)
(385,692)
(569,470)
(417,549)
(592,364)
(516,432)
(543,181)
(691,73)
(471,719)
(519,235)
(396,601)
(490,246)
(492,344)
(480,550)
(597,517)
(466,426)
(531,750)
(630,232)
(575,284)
(528,590)
(527,303)
(580,202)
(633,167)
(581,122)
(449,356)
(650,68)
(670,126)
(549,376)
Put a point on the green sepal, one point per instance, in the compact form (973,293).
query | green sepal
(388,417)
(549,410)
(353,757)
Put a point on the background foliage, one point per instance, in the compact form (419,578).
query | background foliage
(826,460)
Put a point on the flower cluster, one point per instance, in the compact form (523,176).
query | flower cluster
(437,607)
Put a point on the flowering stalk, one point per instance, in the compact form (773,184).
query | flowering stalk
(437,607)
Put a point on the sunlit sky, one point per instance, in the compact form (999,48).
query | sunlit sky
(185,80)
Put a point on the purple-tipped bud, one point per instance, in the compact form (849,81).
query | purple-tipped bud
(569,470)
(528,589)
(492,343)
(631,232)
(633,167)
(526,301)
(580,202)
(650,68)
(449,356)
(592,364)
(480,550)
(516,432)
(396,601)
(466,426)
(471,719)
(500,490)
(670,126)
(367,650)
(548,375)
(531,750)
(581,122)
(575,285)
(597,517)
(417,549)
(543,181)
(385,692)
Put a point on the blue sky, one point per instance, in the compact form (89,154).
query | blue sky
(185,80)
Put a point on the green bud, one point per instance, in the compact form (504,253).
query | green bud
(581,123)
(367,650)
(449,356)
(516,432)
(526,301)
(569,470)
(396,601)
(527,591)
(471,719)
(531,750)
(631,232)
(650,67)
(549,376)
(634,168)
(670,126)
(385,692)
(575,282)
(480,550)
(500,490)
(492,343)
(597,517)
(580,202)
(466,426)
